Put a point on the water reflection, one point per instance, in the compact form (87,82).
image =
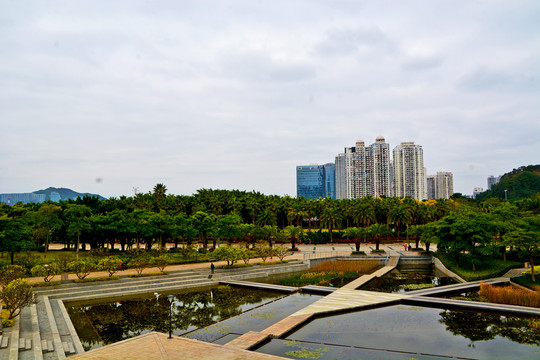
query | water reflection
(400,282)
(482,327)
(102,324)
(405,332)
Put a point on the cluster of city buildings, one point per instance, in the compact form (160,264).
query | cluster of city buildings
(25,198)
(491,181)
(370,170)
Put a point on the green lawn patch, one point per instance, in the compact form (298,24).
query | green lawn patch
(47,283)
(94,279)
(488,267)
(526,281)
(236,266)
(157,273)
(272,262)
(361,252)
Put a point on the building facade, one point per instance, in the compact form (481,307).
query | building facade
(409,173)
(440,186)
(12,199)
(492,180)
(315,181)
(364,170)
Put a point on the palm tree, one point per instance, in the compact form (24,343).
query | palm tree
(364,214)
(377,231)
(330,217)
(400,215)
(356,234)
(293,233)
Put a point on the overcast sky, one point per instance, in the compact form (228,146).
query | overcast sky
(108,96)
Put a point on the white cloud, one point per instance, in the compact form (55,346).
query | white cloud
(235,94)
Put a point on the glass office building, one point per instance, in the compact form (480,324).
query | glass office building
(316,181)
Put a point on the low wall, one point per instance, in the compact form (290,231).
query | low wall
(440,267)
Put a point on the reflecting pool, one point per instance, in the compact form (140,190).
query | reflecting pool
(407,332)
(401,281)
(99,324)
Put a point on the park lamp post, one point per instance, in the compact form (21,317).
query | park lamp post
(171,298)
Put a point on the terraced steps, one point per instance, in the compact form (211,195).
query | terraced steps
(45,332)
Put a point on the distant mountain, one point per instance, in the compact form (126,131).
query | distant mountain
(52,193)
(520,183)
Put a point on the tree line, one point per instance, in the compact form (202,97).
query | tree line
(458,225)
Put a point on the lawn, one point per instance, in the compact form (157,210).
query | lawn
(488,268)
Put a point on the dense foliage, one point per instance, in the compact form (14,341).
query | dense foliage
(468,230)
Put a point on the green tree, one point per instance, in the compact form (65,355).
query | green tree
(281,251)
(355,233)
(14,236)
(466,232)
(17,295)
(377,231)
(526,238)
(82,268)
(330,217)
(47,271)
(110,264)
(47,220)
(205,225)
(77,217)
(227,253)
(160,262)
(293,233)
(9,273)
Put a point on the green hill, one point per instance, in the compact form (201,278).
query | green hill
(520,183)
(65,194)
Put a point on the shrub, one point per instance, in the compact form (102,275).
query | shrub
(160,262)
(380,251)
(263,251)
(281,251)
(17,295)
(81,268)
(29,260)
(47,271)
(139,264)
(110,264)
(10,273)
(6,321)
(529,271)
(358,252)
(228,253)
(246,255)
(40,248)
(62,261)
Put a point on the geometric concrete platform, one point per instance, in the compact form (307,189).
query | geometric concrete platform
(158,346)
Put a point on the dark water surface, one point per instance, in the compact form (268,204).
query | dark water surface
(100,324)
(407,332)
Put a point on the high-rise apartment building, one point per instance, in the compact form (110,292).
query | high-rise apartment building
(379,162)
(440,186)
(340,177)
(409,173)
(431,184)
(315,181)
(492,180)
(364,170)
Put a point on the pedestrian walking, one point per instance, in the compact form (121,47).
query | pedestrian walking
(212,267)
